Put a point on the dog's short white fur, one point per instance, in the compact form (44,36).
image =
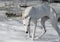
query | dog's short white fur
(34,13)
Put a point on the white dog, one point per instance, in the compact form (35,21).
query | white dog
(34,13)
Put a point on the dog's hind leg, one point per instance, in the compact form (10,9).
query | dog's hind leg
(53,19)
(43,20)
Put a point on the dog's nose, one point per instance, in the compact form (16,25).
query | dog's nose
(26,31)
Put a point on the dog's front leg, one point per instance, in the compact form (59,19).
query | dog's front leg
(34,30)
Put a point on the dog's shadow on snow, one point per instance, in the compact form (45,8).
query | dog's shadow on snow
(48,37)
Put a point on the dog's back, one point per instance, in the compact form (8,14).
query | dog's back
(37,12)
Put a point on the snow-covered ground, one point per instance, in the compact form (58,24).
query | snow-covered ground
(12,30)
